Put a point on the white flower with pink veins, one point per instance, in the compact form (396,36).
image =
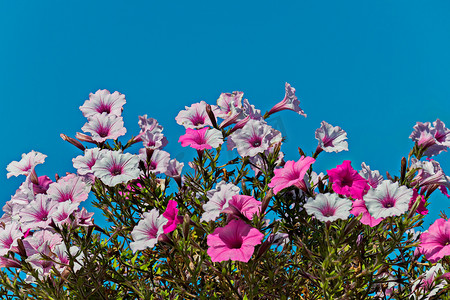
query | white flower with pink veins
(194,116)
(103,127)
(103,102)
(26,164)
(116,167)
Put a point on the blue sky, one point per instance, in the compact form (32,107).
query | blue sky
(373,68)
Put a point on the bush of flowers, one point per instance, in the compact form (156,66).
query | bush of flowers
(259,226)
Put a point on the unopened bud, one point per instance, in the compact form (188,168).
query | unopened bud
(266,201)
(73,141)
(186,225)
(211,116)
(84,138)
(33,177)
(403,170)
(240,124)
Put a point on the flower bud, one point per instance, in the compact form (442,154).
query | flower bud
(211,116)
(186,225)
(266,201)
(73,141)
(84,138)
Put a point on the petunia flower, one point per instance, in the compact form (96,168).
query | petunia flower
(292,174)
(435,243)
(194,116)
(388,199)
(429,175)
(171,214)
(259,164)
(359,207)
(64,210)
(103,102)
(374,178)
(43,184)
(84,163)
(103,127)
(289,102)
(421,209)
(328,207)
(83,218)
(433,139)
(159,161)
(218,200)
(146,233)
(26,165)
(255,137)
(153,140)
(236,241)
(8,238)
(428,283)
(331,139)
(116,167)
(149,124)
(69,188)
(202,138)
(346,181)
(246,205)
(228,105)
(38,214)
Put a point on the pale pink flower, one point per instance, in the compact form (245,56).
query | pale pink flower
(26,165)
(374,178)
(433,139)
(202,138)
(255,137)
(346,181)
(388,199)
(69,188)
(435,243)
(236,241)
(359,207)
(149,124)
(246,205)
(227,104)
(251,111)
(289,102)
(218,200)
(103,127)
(259,164)
(331,139)
(173,219)
(429,174)
(83,218)
(84,163)
(62,256)
(8,238)
(62,215)
(117,167)
(314,178)
(153,140)
(174,168)
(159,161)
(38,241)
(194,116)
(428,283)
(103,102)
(328,207)
(38,214)
(292,174)
(149,228)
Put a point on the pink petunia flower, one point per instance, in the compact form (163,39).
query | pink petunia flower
(255,137)
(292,174)
(428,283)
(149,124)
(194,116)
(331,139)
(116,167)
(236,241)
(328,207)
(69,188)
(83,218)
(202,138)
(171,214)
(103,127)
(374,178)
(149,228)
(218,200)
(429,175)
(174,168)
(62,215)
(289,102)
(246,205)
(388,199)
(103,102)
(433,140)
(359,207)
(8,238)
(84,163)
(346,181)
(435,243)
(153,140)
(228,105)
(26,164)
(43,184)
(38,214)
(159,161)
(421,209)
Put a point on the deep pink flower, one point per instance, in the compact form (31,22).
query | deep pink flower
(171,214)
(202,138)
(289,102)
(236,241)
(435,243)
(26,164)
(194,116)
(421,209)
(246,205)
(292,174)
(103,102)
(346,181)
(359,207)
(103,127)
(331,138)
(43,184)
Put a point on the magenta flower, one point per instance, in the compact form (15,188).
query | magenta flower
(38,214)
(26,164)
(255,137)
(331,138)
(289,102)
(359,207)
(69,188)
(149,228)
(236,241)
(8,238)
(194,116)
(328,207)
(346,181)
(43,184)
(388,199)
(103,127)
(374,178)
(103,102)
(421,209)
(171,214)
(84,163)
(435,243)
(202,138)
(218,200)
(116,167)
(292,174)
(246,205)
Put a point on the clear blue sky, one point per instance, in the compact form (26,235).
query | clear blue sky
(372,67)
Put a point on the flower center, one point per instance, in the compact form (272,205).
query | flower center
(104,108)
(235,243)
(197,120)
(388,202)
(103,131)
(116,170)
(328,211)
(153,165)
